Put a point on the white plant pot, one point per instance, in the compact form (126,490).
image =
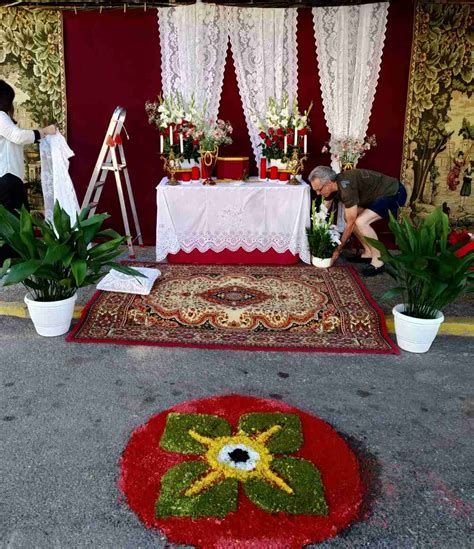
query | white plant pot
(51,318)
(415,334)
(321,262)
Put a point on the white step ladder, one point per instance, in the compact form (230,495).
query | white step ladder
(108,162)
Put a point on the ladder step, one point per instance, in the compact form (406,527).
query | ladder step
(112,167)
(99,185)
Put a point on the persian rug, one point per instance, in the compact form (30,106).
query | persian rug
(238,471)
(279,308)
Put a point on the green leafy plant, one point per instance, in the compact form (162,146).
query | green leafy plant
(63,258)
(323,236)
(428,272)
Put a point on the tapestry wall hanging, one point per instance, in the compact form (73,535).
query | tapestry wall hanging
(32,61)
(438,156)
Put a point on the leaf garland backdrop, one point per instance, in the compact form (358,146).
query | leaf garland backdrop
(32,61)
(438,143)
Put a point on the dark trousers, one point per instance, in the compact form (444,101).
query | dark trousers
(13,197)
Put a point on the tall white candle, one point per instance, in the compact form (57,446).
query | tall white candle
(285,149)
(162,143)
(171,136)
(296,136)
(305,144)
(181,143)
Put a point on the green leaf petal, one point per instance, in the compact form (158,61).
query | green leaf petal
(288,440)
(126,270)
(302,476)
(79,270)
(176,436)
(217,501)
(56,252)
(22,270)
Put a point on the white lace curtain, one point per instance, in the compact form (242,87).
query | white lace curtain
(193,50)
(265,56)
(349,42)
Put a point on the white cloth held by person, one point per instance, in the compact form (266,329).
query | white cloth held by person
(55,179)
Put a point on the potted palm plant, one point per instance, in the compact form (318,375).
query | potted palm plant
(323,236)
(54,260)
(429,276)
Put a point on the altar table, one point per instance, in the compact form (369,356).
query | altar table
(233,222)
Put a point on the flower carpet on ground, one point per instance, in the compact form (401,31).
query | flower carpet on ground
(240,471)
(285,308)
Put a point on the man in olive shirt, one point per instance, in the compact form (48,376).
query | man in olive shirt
(367,197)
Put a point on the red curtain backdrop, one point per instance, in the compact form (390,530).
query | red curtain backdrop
(113,58)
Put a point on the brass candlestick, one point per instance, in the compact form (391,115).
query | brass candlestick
(295,166)
(172,164)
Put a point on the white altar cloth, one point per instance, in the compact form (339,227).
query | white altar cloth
(253,215)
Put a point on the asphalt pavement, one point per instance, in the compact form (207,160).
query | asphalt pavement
(67,411)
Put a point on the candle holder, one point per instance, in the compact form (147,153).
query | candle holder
(172,163)
(295,166)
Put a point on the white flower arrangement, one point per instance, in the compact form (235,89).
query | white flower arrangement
(283,129)
(323,236)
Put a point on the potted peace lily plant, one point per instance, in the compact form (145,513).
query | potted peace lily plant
(429,276)
(54,260)
(323,236)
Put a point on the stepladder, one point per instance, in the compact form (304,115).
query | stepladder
(112,159)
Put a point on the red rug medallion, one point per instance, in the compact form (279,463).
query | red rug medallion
(243,472)
(279,308)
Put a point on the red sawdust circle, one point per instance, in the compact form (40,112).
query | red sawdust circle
(143,463)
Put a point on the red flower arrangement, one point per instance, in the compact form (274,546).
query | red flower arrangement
(458,237)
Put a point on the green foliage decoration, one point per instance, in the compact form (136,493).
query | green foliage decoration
(63,258)
(428,272)
(31,40)
(443,63)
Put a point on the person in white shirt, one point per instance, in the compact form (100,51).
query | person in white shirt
(12,164)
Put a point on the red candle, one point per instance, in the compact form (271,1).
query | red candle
(284,176)
(194,173)
(273,173)
(263,168)
(186,176)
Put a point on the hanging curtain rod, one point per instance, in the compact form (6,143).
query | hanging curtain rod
(96,4)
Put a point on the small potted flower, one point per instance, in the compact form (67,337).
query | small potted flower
(213,136)
(323,236)
(349,151)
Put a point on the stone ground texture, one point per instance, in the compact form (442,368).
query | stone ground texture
(67,411)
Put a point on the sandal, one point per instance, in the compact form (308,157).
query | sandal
(370,270)
(357,258)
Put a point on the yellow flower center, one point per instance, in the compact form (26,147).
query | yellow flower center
(239,457)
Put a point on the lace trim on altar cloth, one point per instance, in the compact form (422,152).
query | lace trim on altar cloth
(171,242)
